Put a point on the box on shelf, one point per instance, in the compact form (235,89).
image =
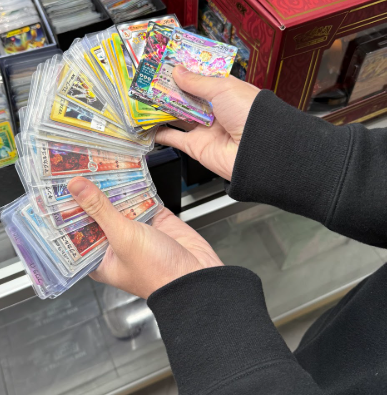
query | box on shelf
(325,57)
(20,69)
(125,10)
(50,37)
(65,39)
(185,10)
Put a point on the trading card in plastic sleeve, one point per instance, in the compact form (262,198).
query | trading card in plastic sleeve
(156,40)
(73,114)
(65,160)
(147,115)
(38,227)
(23,39)
(75,87)
(68,113)
(83,241)
(30,261)
(101,59)
(55,193)
(122,190)
(199,55)
(134,34)
(67,217)
(8,152)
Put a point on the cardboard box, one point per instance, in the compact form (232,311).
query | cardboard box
(293,44)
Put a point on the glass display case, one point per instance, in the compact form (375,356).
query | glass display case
(95,339)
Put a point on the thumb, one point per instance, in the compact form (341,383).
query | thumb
(93,201)
(198,85)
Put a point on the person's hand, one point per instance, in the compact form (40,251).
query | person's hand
(142,258)
(214,147)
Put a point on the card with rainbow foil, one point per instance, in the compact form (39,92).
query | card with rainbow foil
(199,55)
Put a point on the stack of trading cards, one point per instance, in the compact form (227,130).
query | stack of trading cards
(166,48)
(8,153)
(21,28)
(68,15)
(122,10)
(93,112)
(71,127)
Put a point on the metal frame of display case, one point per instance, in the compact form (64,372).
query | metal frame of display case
(201,206)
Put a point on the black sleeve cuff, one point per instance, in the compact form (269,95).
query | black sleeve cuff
(286,159)
(214,324)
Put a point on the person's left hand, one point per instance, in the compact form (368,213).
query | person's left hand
(142,258)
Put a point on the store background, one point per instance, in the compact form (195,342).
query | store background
(96,340)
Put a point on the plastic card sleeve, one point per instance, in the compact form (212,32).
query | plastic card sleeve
(114,194)
(76,61)
(64,218)
(58,160)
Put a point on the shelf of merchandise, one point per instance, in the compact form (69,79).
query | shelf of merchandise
(202,206)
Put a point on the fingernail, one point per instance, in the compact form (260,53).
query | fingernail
(75,187)
(181,70)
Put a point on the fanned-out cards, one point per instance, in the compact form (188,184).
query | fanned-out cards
(113,65)
(164,50)
(93,112)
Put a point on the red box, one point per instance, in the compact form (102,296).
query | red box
(295,45)
(185,10)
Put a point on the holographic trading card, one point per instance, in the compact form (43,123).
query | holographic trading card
(156,41)
(199,55)
(134,34)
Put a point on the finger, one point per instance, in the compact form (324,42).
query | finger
(167,222)
(172,137)
(198,85)
(93,201)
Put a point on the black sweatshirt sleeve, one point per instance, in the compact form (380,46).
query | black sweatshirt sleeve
(220,339)
(335,175)
(214,322)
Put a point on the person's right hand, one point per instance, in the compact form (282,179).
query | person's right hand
(214,147)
